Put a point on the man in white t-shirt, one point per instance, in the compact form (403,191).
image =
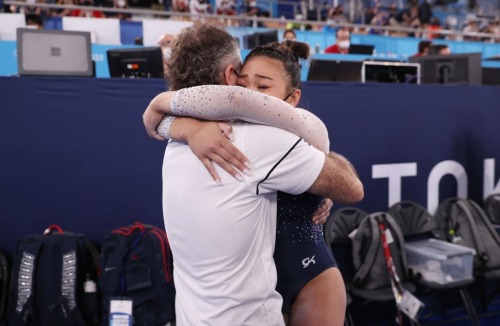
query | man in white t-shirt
(222,237)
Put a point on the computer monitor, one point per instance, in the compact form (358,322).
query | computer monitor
(335,70)
(102,31)
(9,23)
(136,62)
(260,38)
(43,52)
(459,69)
(153,29)
(361,49)
(491,76)
(390,72)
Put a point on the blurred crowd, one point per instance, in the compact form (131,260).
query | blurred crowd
(415,19)
(194,7)
(418,20)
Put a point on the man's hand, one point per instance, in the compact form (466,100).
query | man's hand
(322,213)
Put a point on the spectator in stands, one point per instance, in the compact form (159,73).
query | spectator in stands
(290,35)
(180,5)
(65,11)
(253,10)
(336,15)
(226,7)
(119,4)
(423,48)
(165,43)
(342,42)
(425,12)
(197,7)
(86,13)
(439,49)
(434,25)
(471,26)
(39,11)
(380,19)
(34,21)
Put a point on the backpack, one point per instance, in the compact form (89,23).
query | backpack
(368,254)
(492,208)
(136,262)
(4,286)
(463,221)
(49,275)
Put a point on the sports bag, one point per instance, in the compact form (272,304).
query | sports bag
(368,253)
(136,262)
(49,275)
(463,221)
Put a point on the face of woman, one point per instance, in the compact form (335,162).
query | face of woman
(266,75)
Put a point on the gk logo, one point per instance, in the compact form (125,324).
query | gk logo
(307,261)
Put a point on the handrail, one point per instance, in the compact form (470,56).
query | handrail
(255,20)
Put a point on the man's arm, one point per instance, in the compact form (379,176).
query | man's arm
(338,181)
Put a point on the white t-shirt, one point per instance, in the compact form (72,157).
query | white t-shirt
(222,237)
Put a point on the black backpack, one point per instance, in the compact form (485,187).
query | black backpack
(368,255)
(49,275)
(463,221)
(4,286)
(136,262)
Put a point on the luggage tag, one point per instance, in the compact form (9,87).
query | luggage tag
(410,305)
(120,311)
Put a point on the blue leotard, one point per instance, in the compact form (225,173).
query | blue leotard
(301,253)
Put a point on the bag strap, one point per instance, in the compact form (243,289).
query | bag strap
(23,306)
(365,267)
(478,241)
(165,248)
(442,217)
(399,238)
(486,221)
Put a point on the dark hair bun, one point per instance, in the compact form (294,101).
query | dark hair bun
(299,49)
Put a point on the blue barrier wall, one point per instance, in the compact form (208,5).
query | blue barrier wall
(74,151)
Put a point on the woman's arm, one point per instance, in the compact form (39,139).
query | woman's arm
(214,102)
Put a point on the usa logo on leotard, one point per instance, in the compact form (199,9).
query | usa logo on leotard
(307,261)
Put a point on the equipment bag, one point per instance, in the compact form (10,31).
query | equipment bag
(463,221)
(492,208)
(136,262)
(368,252)
(50,276)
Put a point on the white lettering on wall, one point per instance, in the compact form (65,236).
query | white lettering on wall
(437,173)
(489,186)
(394,172)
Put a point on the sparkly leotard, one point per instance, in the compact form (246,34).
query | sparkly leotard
(301,253)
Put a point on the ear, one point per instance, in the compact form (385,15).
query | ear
(295,97)
(230,76)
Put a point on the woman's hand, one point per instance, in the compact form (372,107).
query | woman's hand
(210,142)
(151,119)
(154,113)
(322,213)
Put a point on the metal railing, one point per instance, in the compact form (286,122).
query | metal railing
(242,20)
